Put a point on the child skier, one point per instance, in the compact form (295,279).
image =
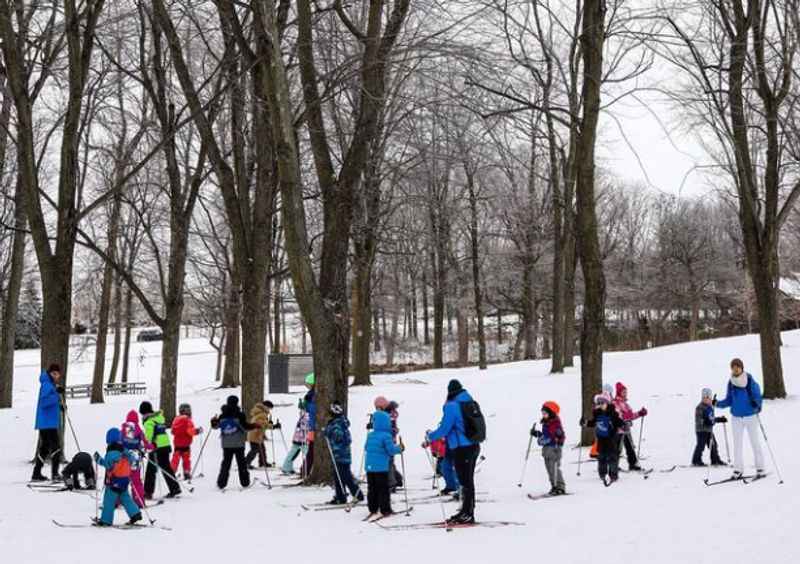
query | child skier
(379,449)
(135,444)
(628,416)
(233,427)
(444,468)
(183,433)
(80,465)
(704,421)
(117,480)
(337,433)
(608,389)
(607,424)
(551,438)
(260,417)
(155,432)
(298,444)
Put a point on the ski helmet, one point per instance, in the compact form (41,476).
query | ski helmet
(185,409)
(552,407)
(113,436)
(310,379)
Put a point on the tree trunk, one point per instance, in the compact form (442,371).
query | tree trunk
(230,377)
(126,353)
(108,286)
(11,304)
(462,322)
(425,314)
(592,39)
(112,376)
(169,366)
(376,329)
(476,272)
(277,310)
(255,318)
(362,322)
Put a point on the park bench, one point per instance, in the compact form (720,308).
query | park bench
(122,388)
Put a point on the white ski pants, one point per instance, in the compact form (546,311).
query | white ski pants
(740,425)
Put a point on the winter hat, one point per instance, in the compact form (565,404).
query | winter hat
(600,399)
(311,379)
(268,404)
(53,368)
(392,406)
(381,403)
(454,387)
(608,389)
(113,436)
(145,408)
(336,409)
(232,401)
(621,389)
(185,409)
(707,393)
(132,417)
(551,408)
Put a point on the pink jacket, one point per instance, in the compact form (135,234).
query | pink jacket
(625,412)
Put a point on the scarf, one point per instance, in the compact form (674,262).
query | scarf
(739,381)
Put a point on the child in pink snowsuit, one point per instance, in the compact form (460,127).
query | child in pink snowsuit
(133,441)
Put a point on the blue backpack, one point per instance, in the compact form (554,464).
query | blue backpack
(229,426)
(602,427)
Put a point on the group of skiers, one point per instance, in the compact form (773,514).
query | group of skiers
(455,444)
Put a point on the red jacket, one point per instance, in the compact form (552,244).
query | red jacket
(183,431)
(439,448)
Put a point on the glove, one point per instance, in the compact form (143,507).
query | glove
(643,412)
(199,430)
(426,444)
(754,405)
(96,457)
(582,422)
(276,425)
(535,432)
(60,390)
(301,404)
(714,401)
(722,419)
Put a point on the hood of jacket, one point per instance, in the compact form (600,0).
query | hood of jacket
(45,377)
(381,422)
(258,409)
(132,417)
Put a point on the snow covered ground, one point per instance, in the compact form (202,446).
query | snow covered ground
(671,517)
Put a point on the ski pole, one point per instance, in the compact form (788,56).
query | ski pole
(580,449)
(335,467)
(283,439)
(405,477)
(202,449)
(274,458)
(432,464)
(769,447)
(266,469)
(71,428)
(527,456)
(712,442)
(727,447)
(96,494)
(441,498)
(641,432)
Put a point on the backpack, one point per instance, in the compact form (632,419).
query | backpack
(602,427)
(229,426)
(129,439)
(119,475)
(474,422)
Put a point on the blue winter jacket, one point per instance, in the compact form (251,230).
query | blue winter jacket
(741,401)
(452,424)
(338,434)
(380,447)
(114,455)
(48,408)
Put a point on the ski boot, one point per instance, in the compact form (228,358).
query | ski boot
(134,519)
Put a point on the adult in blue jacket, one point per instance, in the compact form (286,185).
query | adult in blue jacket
(464,452)
(48,420)
(744,400)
